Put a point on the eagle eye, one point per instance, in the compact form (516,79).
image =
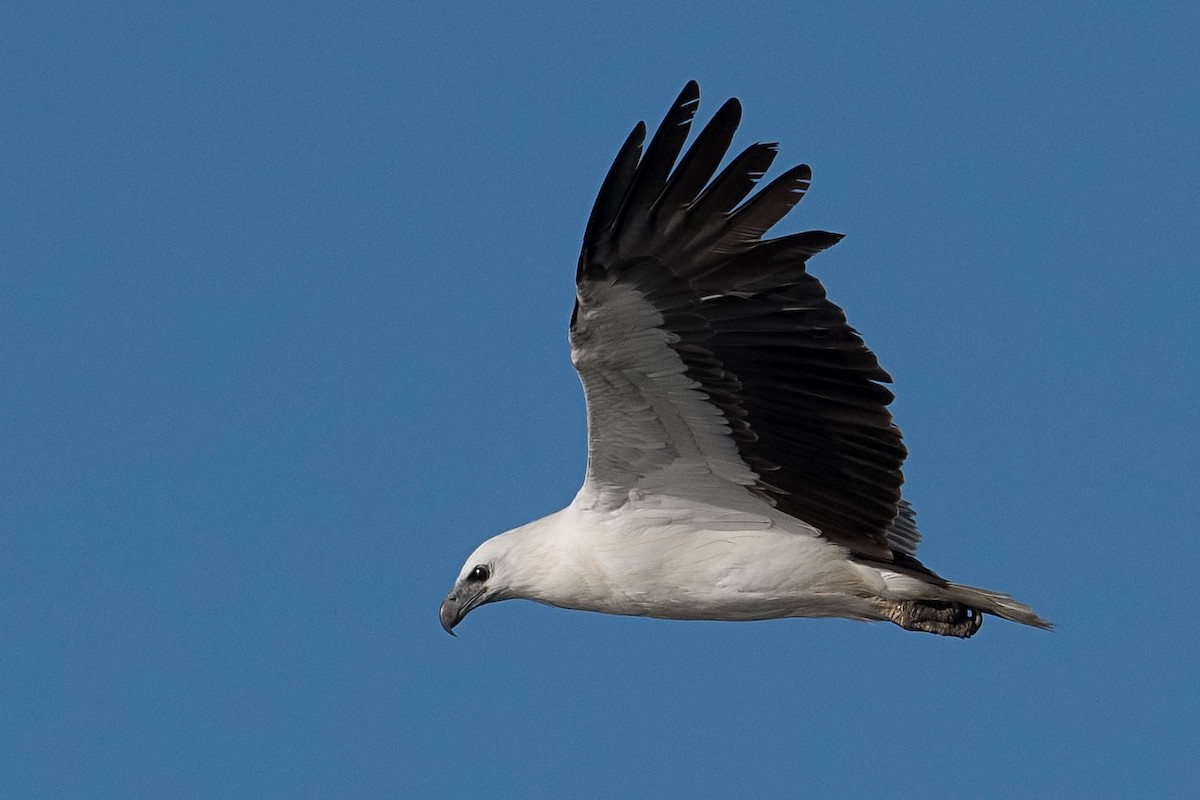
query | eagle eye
(479,574)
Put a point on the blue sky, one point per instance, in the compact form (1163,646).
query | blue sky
(283,299)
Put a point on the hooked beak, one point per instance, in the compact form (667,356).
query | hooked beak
(457,605)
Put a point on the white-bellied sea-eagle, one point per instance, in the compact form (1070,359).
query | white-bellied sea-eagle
(742,461)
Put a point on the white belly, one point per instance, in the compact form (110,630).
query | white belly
(738,567)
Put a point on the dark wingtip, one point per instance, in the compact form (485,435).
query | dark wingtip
(612,191)
(729,115)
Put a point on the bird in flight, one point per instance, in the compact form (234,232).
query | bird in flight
(742,461)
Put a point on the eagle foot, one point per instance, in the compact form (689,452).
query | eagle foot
(935,616)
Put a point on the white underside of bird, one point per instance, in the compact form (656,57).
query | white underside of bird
(644,559)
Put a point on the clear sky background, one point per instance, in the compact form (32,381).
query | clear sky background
(283,301)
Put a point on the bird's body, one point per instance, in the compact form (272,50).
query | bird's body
(650,561)
(742,463)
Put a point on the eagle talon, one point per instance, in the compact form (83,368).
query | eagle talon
(931,616)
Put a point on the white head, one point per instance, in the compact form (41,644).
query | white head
(481,580)
(532,562)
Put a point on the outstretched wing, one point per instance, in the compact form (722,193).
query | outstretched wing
(712,361)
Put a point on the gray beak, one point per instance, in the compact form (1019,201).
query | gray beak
(457,605)
(450,613)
